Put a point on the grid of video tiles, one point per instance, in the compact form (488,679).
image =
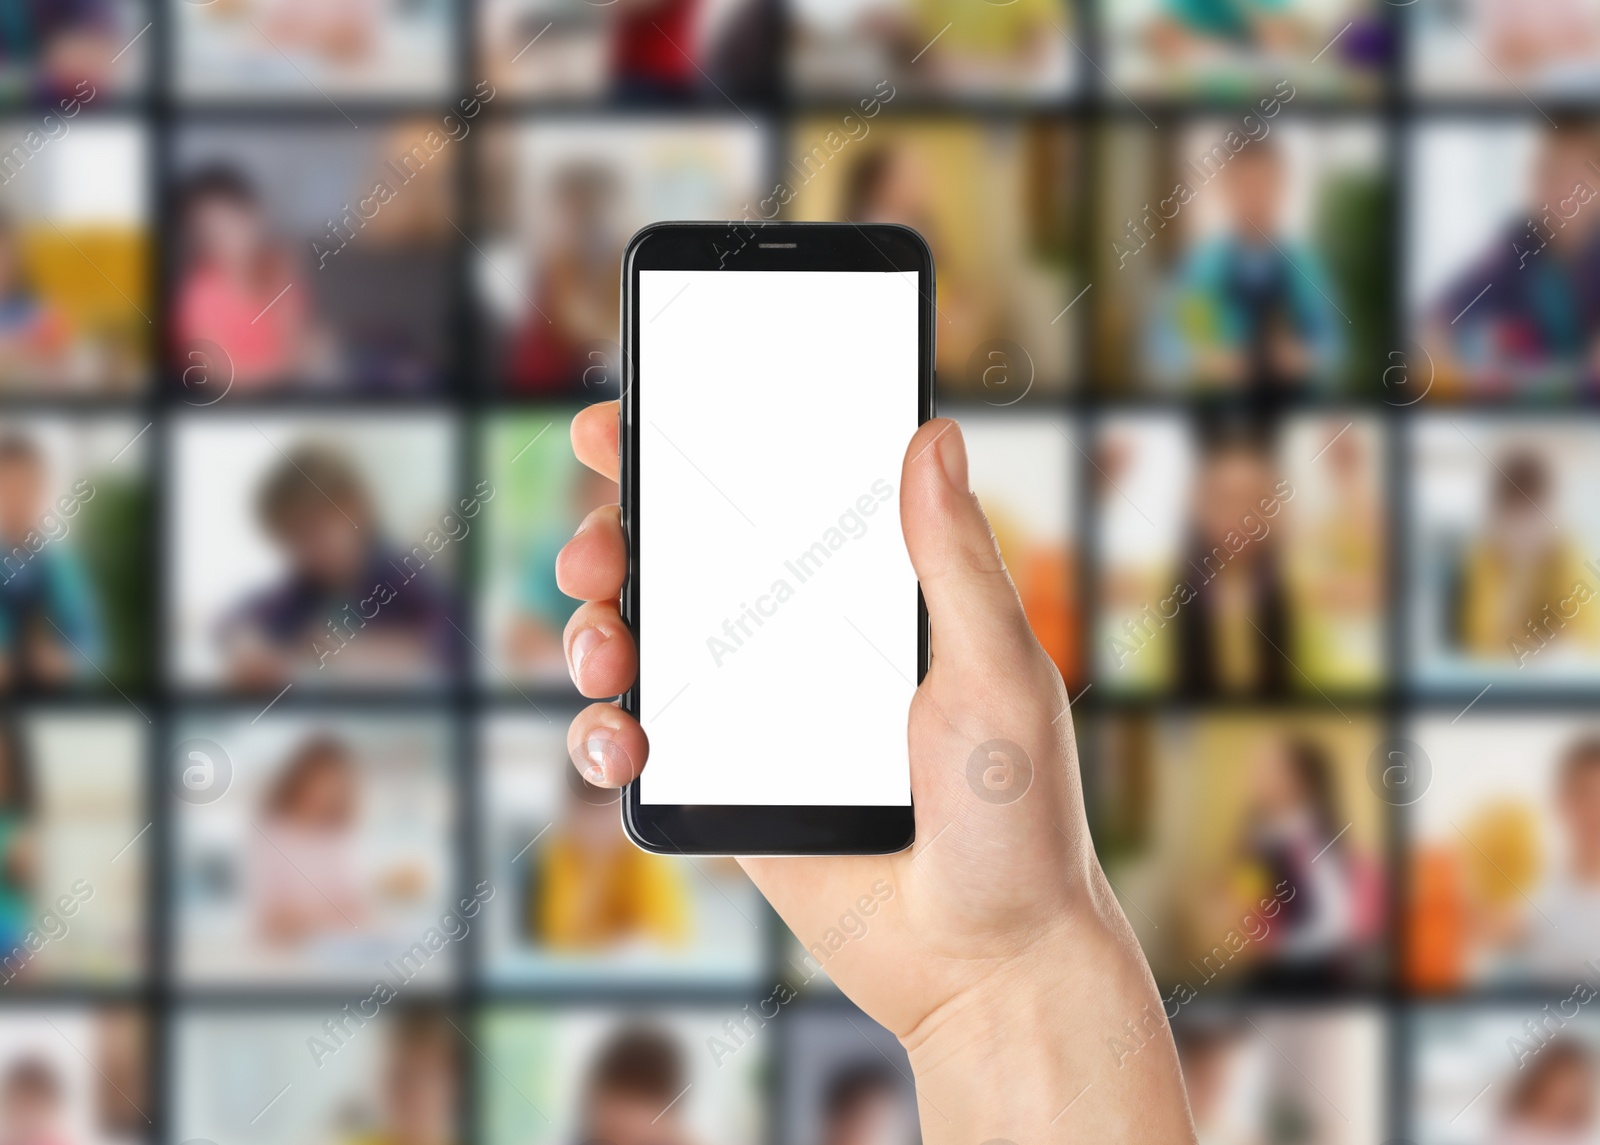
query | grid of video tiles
(1273,325)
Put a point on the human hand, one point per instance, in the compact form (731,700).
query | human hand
(998,954)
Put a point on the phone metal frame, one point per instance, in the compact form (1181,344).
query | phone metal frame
(737,248)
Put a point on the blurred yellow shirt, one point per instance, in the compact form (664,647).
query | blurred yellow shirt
(1491,620)
(584,900)
(986,28)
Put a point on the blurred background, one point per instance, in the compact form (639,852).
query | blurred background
(1274,327)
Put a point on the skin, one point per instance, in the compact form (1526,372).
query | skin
(1001,961)
(1565,1103)
(1580,814)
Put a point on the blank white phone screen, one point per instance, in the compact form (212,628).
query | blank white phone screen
(777,606)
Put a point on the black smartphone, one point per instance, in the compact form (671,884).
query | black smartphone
(773,376)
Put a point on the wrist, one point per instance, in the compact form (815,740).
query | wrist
(1068,1042)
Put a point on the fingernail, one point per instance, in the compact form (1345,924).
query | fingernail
(953,453)
(584,643)
(595,749)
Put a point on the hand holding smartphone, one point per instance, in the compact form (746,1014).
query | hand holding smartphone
(994,945)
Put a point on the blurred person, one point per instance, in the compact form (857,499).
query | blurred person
(743,55)
(18,842)
(1552,1099)
(893,183)
(349,599)
(50,629)
(631,1090)
(1210,1054)
(1338,563)
(32,1105)
(1543,43)
(1296,848)
(1561,935)
(34,337)
(1249,309)
(303,865)
(576,296)
(57,45)
(533,638)
(999,49)
(1188,32)
(865,1104)
(236,287)
(1513,577)
(419,1084)
(1232,635)
(122,1064)
(591,889)
(1529,305)
(651,48)
(344,33)
(1002,48)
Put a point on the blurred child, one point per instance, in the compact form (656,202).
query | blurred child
(534,640)
(1249,309)
(577,296)
(50,632)
(1544,43)
(652,42)
(1338,563)
(32,1108)
(419,1084)
(34,339)
(1188,32)
(341,32)
(18,848)
(631,1093)
(1232,636)
(329,612)
(302,854)
(893,183)
(1552,1098)
(865,1104)
(237,287)
(1529,305)
(590,889)
(1560,943)
(1514,578)
(1297,848)
(57,45)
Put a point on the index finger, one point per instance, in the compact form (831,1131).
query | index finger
(594,438)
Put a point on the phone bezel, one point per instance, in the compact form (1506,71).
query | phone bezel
(737,247)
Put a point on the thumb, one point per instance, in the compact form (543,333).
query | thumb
(973,609)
